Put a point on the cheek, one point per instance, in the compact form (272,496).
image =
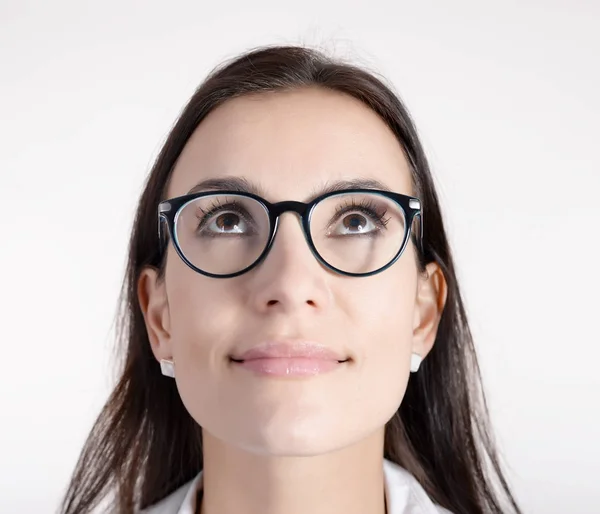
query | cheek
(383,318)
(202,319)
(384,305)
(195,318)
(200,311)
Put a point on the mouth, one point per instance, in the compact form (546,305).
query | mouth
(289,366)
(289,358)
(241,361)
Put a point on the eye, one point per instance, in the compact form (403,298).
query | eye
(357,220)
(222,220)
(227,222)
(356,223)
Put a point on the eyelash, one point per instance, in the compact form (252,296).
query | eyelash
(366,207)
(232,206)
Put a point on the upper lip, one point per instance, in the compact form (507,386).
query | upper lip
(290,349)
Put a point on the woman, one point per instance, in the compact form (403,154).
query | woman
(296,339)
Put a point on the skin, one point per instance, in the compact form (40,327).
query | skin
(312,444)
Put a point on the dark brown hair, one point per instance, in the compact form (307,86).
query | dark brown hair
(145,444)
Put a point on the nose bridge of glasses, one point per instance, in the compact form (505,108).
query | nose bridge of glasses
(298,207)
(279,209)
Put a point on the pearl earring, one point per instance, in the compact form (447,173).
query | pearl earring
(415,362)
(167,368)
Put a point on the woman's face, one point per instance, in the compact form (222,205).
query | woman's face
(291,145)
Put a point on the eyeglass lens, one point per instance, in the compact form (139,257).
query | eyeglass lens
(353,232)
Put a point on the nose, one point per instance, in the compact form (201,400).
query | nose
(289,279)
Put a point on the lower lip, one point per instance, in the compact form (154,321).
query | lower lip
(289,367)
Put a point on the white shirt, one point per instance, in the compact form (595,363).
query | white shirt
(404,495)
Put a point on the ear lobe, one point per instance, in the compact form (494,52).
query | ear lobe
(431,299)
(152,296)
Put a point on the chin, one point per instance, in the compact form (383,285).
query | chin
(297,439)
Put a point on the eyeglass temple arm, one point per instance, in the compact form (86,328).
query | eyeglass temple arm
(162,236)
(415,203)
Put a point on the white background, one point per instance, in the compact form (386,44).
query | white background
(505,95)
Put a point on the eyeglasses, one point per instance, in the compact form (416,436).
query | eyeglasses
(354,232)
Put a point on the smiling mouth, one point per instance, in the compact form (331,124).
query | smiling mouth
(289,366)
(239,361)
(289,358)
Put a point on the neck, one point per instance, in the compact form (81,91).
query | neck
(349,481)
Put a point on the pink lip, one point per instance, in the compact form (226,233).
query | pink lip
(298,358)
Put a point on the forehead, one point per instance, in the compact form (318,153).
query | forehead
(292,143)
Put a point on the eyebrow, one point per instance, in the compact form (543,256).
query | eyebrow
(243,185)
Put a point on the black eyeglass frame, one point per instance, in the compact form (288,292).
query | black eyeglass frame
(168,211)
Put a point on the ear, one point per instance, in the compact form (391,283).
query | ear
(431,297)
(152,295)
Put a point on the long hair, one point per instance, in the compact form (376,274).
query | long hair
(145,444)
